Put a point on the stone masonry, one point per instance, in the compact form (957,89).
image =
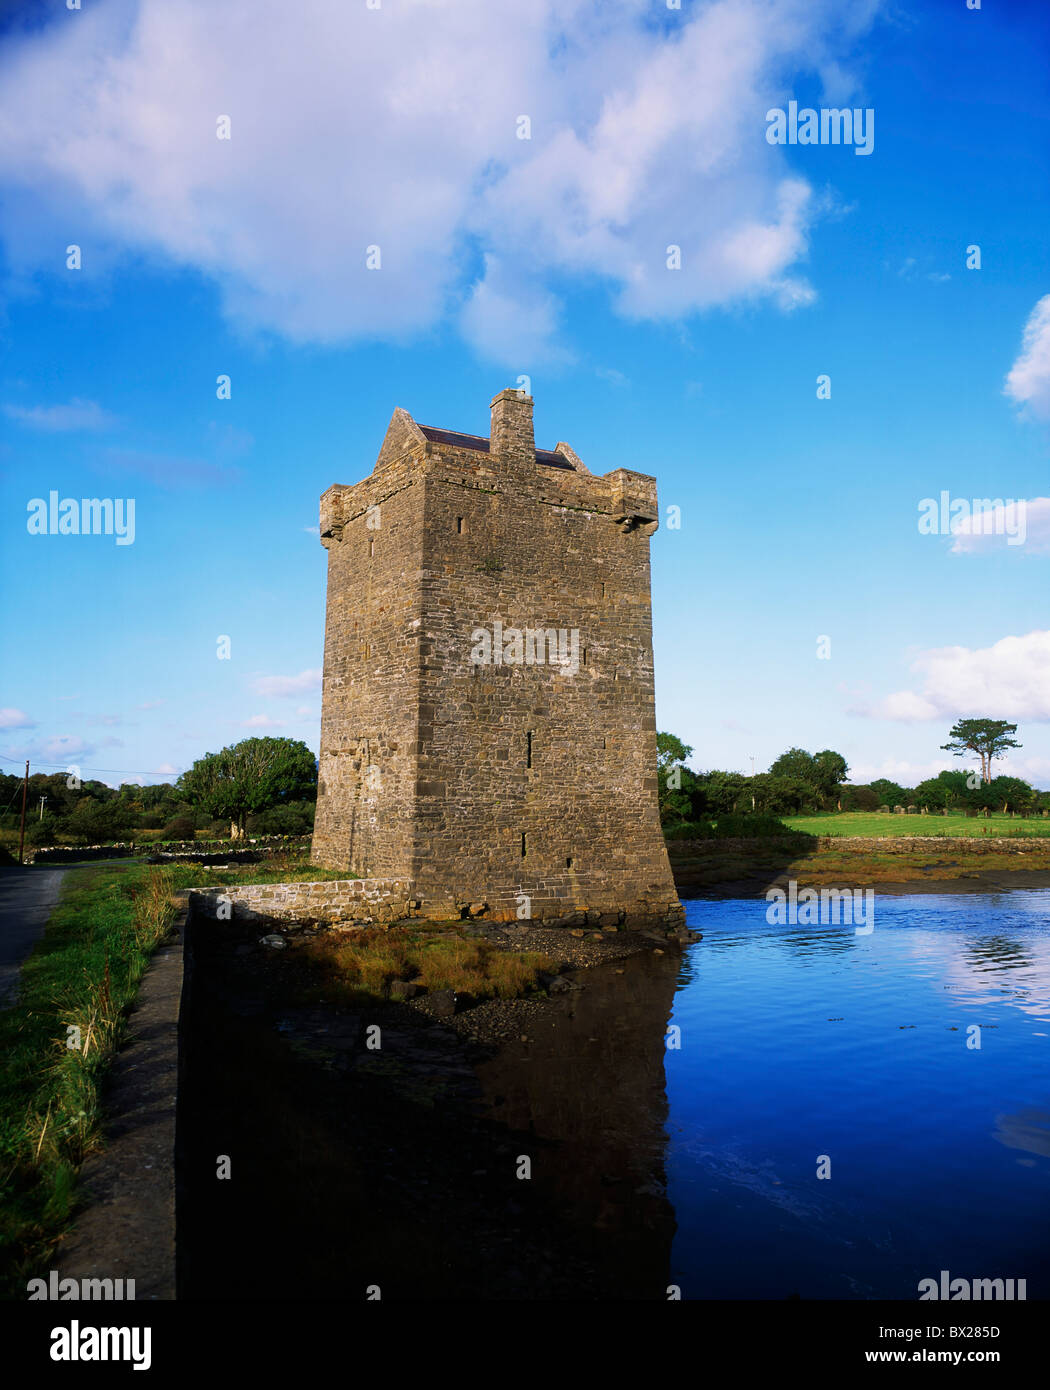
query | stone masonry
(488,731)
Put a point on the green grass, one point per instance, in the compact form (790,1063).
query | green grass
(873,824)
(280,868)
(84,972)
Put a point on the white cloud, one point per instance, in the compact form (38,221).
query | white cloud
(66,746)
(1035,770)
(262,721)
(305,682)
(305,712)
(900,770)
(77,415)
(905,705)
(397,127)
(1008,680)
(166,770)
(15,719)
(511,319)
(1002,526)
(152,704)
(1028,381)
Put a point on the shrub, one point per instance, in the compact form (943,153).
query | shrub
(180,828)
(294,818)
(733,826)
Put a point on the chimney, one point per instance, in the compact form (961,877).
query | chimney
(510,439)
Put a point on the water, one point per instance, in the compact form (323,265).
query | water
(804,1041)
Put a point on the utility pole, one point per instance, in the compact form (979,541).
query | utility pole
(752,757)
(42,800)
(25,789)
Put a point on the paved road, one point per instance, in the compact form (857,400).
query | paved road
(27,898)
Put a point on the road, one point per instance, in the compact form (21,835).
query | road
(27,899)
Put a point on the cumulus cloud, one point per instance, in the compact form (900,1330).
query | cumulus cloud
(1008,680)
(262,721)
(1028,381)
(900,770)
(15,719)
(76,415)
(64,747)
(166,770)
(398,128)
(1035,770)
(304,683)
(1022,525)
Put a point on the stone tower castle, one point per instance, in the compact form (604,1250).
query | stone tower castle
(488,729)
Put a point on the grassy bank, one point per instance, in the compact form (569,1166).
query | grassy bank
(956,824)
(76,988)
(746,866)
(280,868)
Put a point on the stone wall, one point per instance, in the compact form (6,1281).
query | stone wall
(510,782)
(219,851)
(361,900)
(383,901)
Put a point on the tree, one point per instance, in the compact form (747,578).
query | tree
(672,778)
(796,762)
(715,793)
(889,793)
(824,771)
(945,790)
(779,795)
(250,776)
(988,738)
(94,821)
(1011,794)
(860,798)
(830,769)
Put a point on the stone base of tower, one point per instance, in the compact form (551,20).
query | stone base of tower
(511,906)
(385,901)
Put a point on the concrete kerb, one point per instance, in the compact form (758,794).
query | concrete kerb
(127,1227)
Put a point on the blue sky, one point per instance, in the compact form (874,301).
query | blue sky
(544,257)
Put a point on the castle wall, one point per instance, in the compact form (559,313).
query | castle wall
(370,693)
(527,550)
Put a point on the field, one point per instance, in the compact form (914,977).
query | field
(873,824)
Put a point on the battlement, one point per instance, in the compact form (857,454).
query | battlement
(506,461)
